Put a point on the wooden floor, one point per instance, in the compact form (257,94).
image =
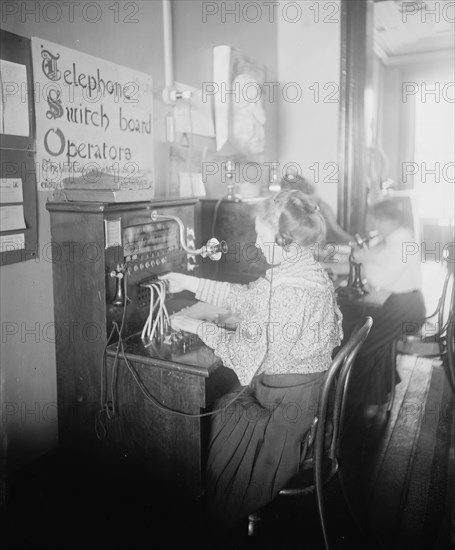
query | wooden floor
(397,471)
(404,464)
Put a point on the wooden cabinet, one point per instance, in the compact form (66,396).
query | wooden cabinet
(103,415)
(156,429)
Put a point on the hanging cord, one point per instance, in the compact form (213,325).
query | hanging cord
(214,220)
(107,408)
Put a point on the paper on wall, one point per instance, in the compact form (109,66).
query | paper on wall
(12,217)
(9,243)
(13,109)
(11,190)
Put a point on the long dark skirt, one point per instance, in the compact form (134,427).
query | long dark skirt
(402,315)
(255,443)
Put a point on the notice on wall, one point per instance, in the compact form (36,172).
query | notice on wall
(12,217)
(94,121)
(10,243)
(11,190)
(13,108)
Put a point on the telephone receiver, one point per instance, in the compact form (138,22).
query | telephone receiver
(214,249)
(362,241)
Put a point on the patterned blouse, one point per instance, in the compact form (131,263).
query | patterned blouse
(303,320)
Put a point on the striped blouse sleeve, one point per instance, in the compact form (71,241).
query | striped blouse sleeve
(233,296)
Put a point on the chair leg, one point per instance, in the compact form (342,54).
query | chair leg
(450,359)
(393,364)
(253,523)
(320,501)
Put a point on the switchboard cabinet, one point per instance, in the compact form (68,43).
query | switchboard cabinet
(102,412)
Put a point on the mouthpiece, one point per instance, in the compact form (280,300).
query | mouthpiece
(214,249)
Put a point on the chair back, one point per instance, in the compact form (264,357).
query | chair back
(446,327)
(446,304)
(337,377)
(450,351)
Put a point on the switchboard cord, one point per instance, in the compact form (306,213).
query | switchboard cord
(162,316)
(107,407)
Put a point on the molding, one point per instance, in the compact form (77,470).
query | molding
(415,58)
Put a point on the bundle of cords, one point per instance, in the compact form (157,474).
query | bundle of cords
(161,322)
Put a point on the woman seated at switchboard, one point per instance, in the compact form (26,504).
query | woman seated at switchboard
(289,324)
(392,265)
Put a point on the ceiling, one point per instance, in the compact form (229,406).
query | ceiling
(404,28)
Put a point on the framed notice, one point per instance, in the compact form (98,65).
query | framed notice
(18,197)
(94,121)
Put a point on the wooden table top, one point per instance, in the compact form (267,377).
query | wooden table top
(374,298)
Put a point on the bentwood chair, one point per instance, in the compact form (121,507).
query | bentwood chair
(323,441)
(437,343)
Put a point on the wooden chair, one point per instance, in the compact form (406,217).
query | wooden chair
(438,344)
(325,444)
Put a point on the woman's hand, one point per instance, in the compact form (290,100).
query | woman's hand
(187,324)
(178,282)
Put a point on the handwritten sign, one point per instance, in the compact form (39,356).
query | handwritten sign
(94,121)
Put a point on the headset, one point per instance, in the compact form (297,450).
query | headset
(284,238)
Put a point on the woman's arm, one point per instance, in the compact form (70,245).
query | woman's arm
(178,282)
(233,296)
(302,325)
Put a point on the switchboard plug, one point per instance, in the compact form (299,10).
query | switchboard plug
(154,278)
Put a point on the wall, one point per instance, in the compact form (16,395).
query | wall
(308,132)
(198,27)
(402,85)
